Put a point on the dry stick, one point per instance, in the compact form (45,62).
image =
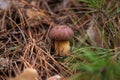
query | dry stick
(20,13)
(47,6)
(39,49)
(5,44)
(13,67)
(19,29)
(46,65)
(17,39)
(25,62)
(31,51)
(52,24)
(26,50)
(32,43)
(43,59)
(3,21)
(58,64)
(17,67)
(34,62)
(3,73)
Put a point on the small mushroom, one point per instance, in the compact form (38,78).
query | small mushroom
(27,74)
(61,34)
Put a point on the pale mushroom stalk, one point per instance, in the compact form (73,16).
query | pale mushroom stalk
(62,47)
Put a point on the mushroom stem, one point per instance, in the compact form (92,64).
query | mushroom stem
(62,48)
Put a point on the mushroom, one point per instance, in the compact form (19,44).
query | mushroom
(27,74)
(61,34)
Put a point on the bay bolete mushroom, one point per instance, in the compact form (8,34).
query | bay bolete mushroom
(61,34)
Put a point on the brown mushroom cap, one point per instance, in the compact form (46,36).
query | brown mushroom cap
(61,32)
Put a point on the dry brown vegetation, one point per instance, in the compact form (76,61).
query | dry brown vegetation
(24,29)
(24,40)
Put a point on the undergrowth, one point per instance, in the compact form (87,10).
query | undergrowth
(95,54)
(92,63)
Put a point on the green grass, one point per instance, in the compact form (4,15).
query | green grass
(106,18)
(97,4)
(89,63)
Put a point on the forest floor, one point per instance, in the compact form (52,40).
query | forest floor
(25,27)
